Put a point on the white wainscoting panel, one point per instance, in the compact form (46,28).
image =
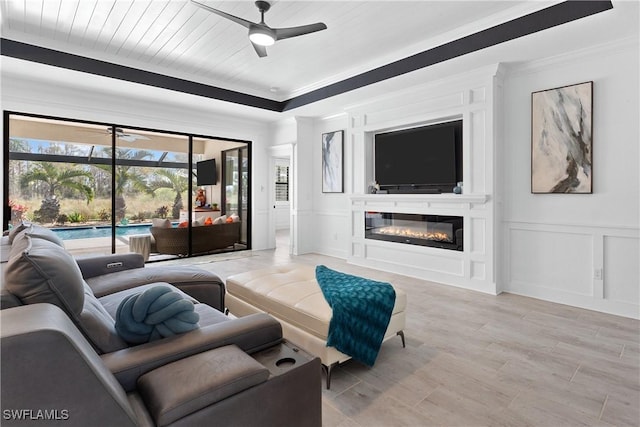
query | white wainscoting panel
(552,259)
(621,265)
(478,235)
(478,270)
(476,182)
(587,266)
(335,225)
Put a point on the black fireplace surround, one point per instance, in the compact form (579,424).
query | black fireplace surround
(437,231)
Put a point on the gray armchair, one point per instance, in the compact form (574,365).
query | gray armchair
(60,351)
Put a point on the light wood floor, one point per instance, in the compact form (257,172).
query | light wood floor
(477,360)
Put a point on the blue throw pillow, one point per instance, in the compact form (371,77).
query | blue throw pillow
(155,313)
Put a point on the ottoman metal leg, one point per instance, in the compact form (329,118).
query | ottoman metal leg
(327,370)
(401,333)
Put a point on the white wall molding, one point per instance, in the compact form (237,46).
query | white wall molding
(468,96)
(615,47)
(579,265)
(576,249)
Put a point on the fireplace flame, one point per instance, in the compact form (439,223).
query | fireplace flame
(416,234)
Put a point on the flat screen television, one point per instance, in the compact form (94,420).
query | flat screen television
(424,159)
(206,172)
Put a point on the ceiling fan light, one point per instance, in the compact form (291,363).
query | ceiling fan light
(261,37)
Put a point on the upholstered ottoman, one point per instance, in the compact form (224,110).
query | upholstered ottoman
(291,294)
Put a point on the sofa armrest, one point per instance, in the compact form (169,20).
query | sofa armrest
(202,285)
(47,364)
(251,333)
(197,382)
(99,265)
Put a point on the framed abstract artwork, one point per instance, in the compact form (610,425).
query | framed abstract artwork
(332,162)
(561,139)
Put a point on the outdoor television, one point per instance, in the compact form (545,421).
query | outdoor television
(206,172)
(424,159)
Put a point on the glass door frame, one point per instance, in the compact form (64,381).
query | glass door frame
(113,126)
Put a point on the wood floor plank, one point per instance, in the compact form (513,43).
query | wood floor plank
(478,360)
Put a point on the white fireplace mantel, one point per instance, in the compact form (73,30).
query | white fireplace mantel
(421,198)
(476,100)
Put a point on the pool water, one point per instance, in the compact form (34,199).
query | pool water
(100,231)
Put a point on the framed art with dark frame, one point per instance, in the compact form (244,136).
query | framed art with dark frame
(562,139)
(333,162)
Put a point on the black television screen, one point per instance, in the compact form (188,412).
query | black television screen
(206,172)
(427,157)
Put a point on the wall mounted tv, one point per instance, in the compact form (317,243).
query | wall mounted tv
(427,159)
(206,172)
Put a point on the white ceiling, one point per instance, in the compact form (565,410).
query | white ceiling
(180,39)
(177,38)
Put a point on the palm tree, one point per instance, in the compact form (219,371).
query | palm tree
(127,177)
(56,178)
(177,181)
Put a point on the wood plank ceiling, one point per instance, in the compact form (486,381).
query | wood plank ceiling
(176,38)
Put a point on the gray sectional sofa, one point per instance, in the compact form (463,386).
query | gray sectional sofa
(63,360)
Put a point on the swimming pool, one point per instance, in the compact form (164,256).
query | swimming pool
(100,231)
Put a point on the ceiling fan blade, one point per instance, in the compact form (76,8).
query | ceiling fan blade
(260,50)
(235,19)
(285,33)
(127,138)
(132,136)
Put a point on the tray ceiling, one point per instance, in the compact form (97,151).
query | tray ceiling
(178,39)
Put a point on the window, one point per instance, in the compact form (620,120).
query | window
(97,184)
(282,183)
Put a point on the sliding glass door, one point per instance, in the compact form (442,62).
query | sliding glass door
(236,178)
(105,188)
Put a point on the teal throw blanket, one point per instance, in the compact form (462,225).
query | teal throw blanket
(361,308)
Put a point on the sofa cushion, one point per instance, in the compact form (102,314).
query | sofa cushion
(17,229)
(40,232)
(161,223)
(98,325)
(39,272)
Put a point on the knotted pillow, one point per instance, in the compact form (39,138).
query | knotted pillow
(153,314)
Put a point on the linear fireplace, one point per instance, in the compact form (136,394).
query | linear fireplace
(415,229)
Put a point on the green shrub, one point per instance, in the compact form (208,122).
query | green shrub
(162,211)
(75,217)
(138,217)
(104,215)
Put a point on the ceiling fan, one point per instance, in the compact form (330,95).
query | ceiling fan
(260,34)
(125,136)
